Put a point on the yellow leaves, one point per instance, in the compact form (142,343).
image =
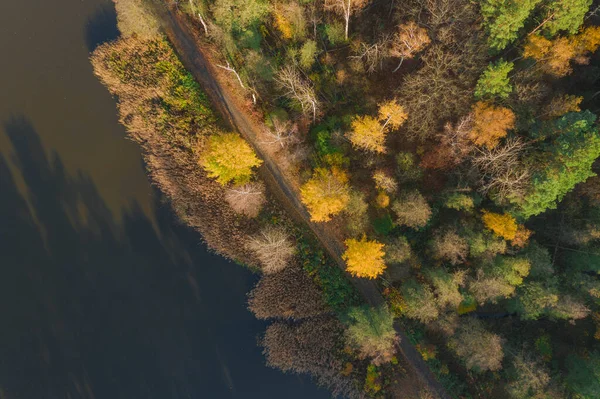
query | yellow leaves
(364,258)
(410,40)
(490,124)
(228,157)
(561,105)
(391,113)
(504,226)
(382,200)
(556,55)
(283,25)
(326,194)
(367,134)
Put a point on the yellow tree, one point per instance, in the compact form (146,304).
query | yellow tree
(392,114)
(367,134)
(228,157)
(409,40)
(364,258)
(326,193)
(504,226)
(490,124)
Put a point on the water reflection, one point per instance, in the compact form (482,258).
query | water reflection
(93,308)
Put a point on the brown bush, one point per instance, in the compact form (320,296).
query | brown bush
(289,294)
(310,347)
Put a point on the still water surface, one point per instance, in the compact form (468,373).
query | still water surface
(103,295)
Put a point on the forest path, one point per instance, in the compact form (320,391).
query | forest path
(187,46)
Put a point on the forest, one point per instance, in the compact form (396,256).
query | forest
(448,146)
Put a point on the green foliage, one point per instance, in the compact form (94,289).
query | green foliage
(383,225)
(485,243)
(494,81)
(308,53)
(419,301)
(504,18)
(543,346)
(372,380)
(460,202)
(535,299)
(407,167)
(372,331)
(568,15)
(584,375)
(237,16)
(573,147)
(512,269)
(149,79)
(335,33)
(338,293)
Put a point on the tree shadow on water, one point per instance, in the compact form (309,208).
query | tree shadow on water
(93,308)
(101,27)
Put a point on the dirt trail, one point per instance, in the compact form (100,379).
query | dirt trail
(192,56)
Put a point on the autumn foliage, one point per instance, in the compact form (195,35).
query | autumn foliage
(503,225)
(490,124)
(326,193)
(364,258)
(227,157)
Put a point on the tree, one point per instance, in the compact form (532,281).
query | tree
(511,269)
(418,302)
(561,105)
(273,248)
(345,8)
(554,56)
(281,135)
(503,174)
(460,202)
(356,210)
(494,81)
(367,134)
(373,54)
(247,199)
(448,245)
(237,16)
(308,53)
(371,331)
(529,378)
(490,124)
(288,294)
(290,20)
(584,375)
(490,288)
(566,15)
(228,157)
(535,299)
(397,250)
(504,225)
(299,90)
(480,349)
(326,193)
(574,145)
(409,40)
(364,258)
(411,209)
(504,18)
(446,287)
(385,182)
(392,114)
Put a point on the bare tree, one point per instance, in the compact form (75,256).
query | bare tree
(346,8)
(273,247)
(247,199)
(283,134)
(298,89)
(230,69)
(373,55)
(502,172)
(409,40)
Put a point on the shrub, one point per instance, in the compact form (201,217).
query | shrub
(289,294)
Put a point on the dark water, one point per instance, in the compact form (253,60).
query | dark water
(102,293)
